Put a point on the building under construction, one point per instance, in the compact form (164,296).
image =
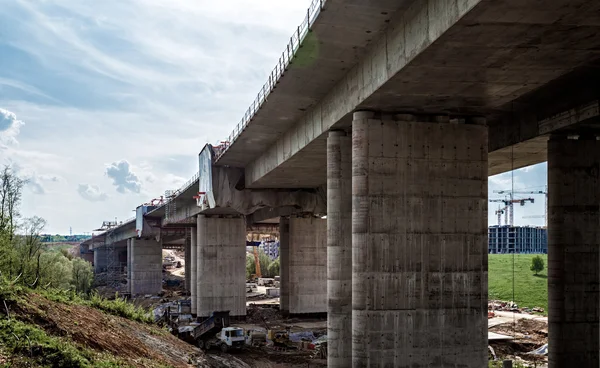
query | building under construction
(517,239)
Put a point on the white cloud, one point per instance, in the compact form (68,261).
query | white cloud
(91,193)
(123,178)
(9,127)
(160,79)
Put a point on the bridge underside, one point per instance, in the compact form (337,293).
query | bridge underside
(497,61)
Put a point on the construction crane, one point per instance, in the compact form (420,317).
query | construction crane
(509,206)
(502,211)
(544,192)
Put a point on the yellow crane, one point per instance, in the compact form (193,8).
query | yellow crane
(257,263)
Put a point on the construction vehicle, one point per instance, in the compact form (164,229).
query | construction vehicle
(212,332)
(215,331)
(256,337)
(280,338)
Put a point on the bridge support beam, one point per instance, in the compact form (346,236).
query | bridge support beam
(303,262)
(146,266)
(419,243)
(339,250)
(573,246)
(221,272)
(194,270)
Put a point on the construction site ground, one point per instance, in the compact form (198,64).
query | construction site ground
(527,333)
(512,334)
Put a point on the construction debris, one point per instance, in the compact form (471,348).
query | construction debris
(498,305)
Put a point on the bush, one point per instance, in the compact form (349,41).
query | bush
(537,264)
(83,275)
(121,307)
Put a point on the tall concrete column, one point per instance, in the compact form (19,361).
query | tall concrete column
(129,242)
(100,259)
(419,243)
(339,250)
(194,270)
(221,272)
(573,245)
(303,263)
(146,266)
(188,259)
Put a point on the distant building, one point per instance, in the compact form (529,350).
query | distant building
(271,248)
(517,239)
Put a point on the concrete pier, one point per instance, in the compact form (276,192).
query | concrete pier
(573,245)
(188,259)
(146,266)
(100,259)
(221,271)
(419,243)
(194,269)
(339,249)
(303,261)
(129,241)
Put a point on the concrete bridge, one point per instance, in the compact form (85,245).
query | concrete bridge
(388,116)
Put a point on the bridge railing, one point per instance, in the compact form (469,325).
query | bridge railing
(284,61)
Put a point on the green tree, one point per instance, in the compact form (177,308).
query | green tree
(537,264)
(55,270)
(274,268)
(83,275)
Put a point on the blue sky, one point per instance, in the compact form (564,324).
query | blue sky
(105,104)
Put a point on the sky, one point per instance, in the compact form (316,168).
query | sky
(104,105)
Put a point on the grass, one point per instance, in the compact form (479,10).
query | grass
(28,345)
(529,290)
(117,307)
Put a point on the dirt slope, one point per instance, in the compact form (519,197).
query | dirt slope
(138,344)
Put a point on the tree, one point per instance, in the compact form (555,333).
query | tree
(83,275)
(54,270)
(10,197)
(537,264)
(274,268)
(29,249)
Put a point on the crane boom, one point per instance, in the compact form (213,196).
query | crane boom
(543,192)
(509,204)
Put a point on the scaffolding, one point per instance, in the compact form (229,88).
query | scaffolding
(171,205)
(113,267)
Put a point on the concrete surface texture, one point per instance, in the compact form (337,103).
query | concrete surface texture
(573,246)
(451,57)
(129,242)
(146,266)
(221,269)
(339,249)
(303,252)
(419,243)
(99,259)
(194,270)
(188,259)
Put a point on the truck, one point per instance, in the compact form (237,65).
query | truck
(215,331)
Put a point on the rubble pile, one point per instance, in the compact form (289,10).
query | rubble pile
(256,314)
(498,305)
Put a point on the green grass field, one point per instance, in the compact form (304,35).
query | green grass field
(529,290)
